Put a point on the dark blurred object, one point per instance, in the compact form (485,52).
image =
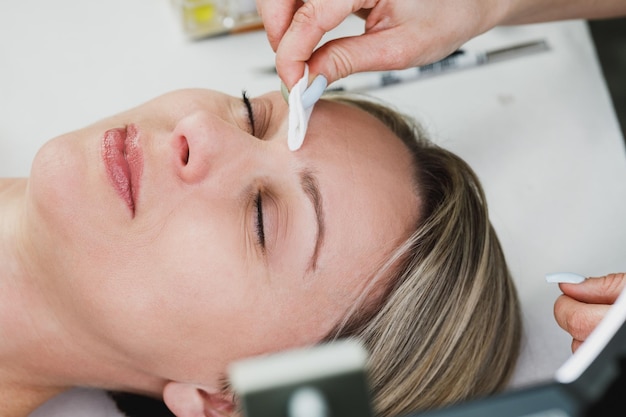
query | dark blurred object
(613,403)
(609,37)
(132,405)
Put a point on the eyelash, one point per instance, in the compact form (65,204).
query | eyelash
(248,104)
(258,200)
(260,230)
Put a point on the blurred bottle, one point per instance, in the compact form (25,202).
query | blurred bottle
(205,18)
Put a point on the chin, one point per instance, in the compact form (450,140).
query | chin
(66,197)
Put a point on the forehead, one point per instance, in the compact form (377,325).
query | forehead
(366,178)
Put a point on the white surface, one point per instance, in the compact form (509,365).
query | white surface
(540,131)
(79,403)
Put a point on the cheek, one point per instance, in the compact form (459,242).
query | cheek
(177,290)
(196,267)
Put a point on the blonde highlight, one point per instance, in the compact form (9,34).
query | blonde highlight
(448,327)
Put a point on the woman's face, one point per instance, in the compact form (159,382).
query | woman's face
(184,234)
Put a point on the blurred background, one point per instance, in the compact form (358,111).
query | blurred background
(541,130)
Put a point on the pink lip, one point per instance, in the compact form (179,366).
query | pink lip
(123,161)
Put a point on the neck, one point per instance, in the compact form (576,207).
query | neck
(35,324)
(22,401)
(18,397)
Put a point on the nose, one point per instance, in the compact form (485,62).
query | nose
(201,142)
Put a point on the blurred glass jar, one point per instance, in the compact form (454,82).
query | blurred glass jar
(205,18)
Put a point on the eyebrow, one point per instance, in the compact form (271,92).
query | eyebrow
(311,188)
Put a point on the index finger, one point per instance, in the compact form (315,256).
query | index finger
(276,16)
(309,24)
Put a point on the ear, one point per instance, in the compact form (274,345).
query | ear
(188,400)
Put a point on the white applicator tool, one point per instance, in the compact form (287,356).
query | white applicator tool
(301,101)
(566,277)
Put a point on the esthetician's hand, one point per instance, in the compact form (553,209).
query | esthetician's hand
(582,306)
(398,33)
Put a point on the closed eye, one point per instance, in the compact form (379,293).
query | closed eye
(260,229)
(246,102)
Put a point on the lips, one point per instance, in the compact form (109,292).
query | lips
(123,162)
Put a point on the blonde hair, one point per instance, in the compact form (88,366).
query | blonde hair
(448,328)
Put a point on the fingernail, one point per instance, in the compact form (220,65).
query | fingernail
(284,91)
(314,91)
(566,277)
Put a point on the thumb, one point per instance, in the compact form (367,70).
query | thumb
(372,51)
(597,290)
